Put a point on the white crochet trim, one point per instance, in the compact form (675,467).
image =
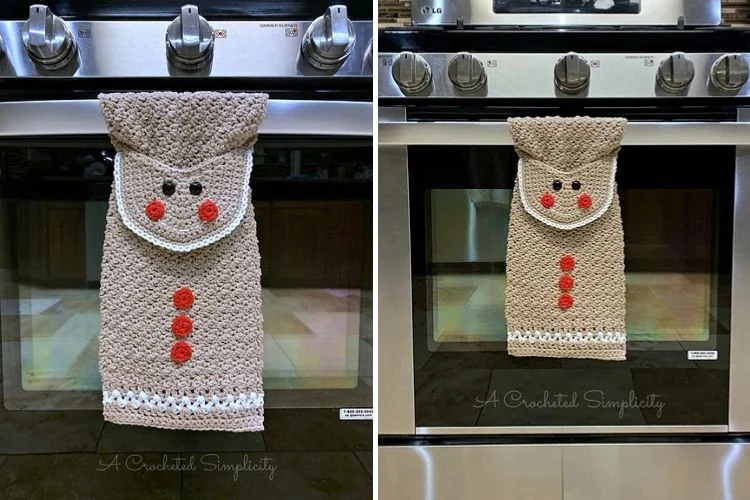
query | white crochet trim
(571,225)
(177,405)
(200,243)
(537,337)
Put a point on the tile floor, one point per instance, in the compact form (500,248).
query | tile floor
(660,307)
(313,337)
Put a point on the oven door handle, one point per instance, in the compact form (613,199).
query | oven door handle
(399,133)
(284,117)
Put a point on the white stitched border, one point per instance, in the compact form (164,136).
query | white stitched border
(184,403)
(539,337)
(199,243)
(571,225)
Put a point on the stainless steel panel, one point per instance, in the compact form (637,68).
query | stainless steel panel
(138,49)
(395,354)
(739,369)
(498,134)
(531,76)
(570,472)
(470,472)
(657,471)
(653,12)
(284,117)
(598,429)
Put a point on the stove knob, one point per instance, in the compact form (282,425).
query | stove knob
(730,72)
(411,72)
(572,73)
(330,39)
(47,39)
(676,73)
(466,72)
(190,40)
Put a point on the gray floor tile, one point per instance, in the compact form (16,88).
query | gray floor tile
(131,438)
(23,432)
(315,429)
(85,476)
(270,476)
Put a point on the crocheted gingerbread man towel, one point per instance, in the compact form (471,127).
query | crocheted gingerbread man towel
(565,295)
(181,343)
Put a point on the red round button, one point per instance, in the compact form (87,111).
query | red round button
(208,211)
(567,263)
(183,298)
(565,301)
(155,210)
(181,351)
(182,326)
(566,283)
(547,200)
(584,201)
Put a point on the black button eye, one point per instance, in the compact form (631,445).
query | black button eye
(557,185)
(576,185)
(196,188)
(168,188)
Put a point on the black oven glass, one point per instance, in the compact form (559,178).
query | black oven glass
(677,210)
(567,6)
(313,205)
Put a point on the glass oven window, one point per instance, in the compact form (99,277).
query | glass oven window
(678,219)
(313,211)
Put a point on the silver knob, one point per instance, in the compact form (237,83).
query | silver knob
(190,40)
(411,72)
(676,73)
(466,72)
(48,39)
(572,73)
(730,72)
(330,39)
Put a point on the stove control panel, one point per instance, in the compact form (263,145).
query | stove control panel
(45,45)
(567,75)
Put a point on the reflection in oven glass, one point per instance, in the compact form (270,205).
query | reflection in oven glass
(668,272)
(311,206)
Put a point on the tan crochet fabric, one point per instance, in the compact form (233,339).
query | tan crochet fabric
(565,294)
(194,359)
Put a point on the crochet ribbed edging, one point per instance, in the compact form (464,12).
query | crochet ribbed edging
(182,404)
(537,337)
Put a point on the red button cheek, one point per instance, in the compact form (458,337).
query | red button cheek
(208,211)
(155,210)
(584,201)
(547,200)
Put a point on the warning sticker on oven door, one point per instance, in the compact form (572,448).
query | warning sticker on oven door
(703,355)
(355,414)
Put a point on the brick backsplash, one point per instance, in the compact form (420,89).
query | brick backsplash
(398,12)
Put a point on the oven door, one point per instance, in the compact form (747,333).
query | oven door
(312,192)
(568,12)
(445,191)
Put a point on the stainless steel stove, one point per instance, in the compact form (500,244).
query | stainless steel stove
(551,428)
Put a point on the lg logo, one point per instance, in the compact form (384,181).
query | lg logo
(432,10)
